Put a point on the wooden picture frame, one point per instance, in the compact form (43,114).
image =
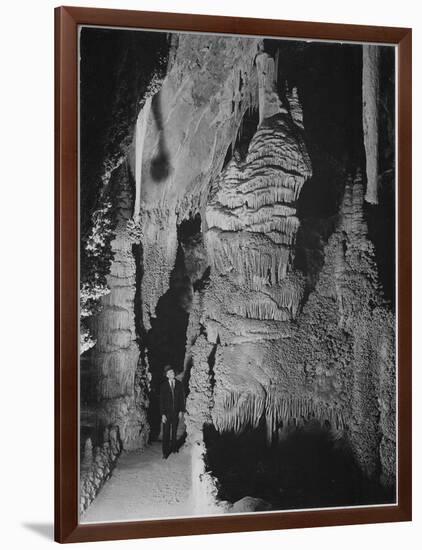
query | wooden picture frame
(67,526)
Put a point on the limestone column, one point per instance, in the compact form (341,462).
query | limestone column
(370,99)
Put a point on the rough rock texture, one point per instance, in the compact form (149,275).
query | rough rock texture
(194,119)
(349,347)
(253,361)
(263,345)
(116,354)
(254,293)
(336,364)
(97,465)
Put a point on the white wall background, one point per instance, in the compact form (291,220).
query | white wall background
(26,290)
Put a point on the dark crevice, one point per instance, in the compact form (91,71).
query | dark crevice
(381,218)
(328,79)
(245,133)
(200,284)
(189,228)
(382,232)
(166,340)
(329,83)
(137,252)
(211,364)
(307,469)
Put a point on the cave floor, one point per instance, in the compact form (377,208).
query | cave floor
(144,486)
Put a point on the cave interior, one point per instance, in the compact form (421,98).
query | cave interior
(306,464)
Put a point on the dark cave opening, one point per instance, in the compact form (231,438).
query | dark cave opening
(165,342)
(166,339)
(329,83)
(189,228)
(381,218)
(328,78)
(308,468)
(246,131)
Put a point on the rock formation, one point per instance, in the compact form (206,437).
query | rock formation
(116,353)
(254,293)
(206,207)
(370,98)
(96,467)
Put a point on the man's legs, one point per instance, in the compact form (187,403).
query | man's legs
(174,423)
(166,438)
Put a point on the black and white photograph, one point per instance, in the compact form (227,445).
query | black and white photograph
(237,270)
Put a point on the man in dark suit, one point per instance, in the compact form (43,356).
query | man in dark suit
(172,407)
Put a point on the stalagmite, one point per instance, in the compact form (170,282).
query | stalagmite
(370,98)
(115,356)
(141,128)
(295,107)
(252,222)
(252,226)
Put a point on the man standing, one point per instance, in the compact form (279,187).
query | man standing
(172,407)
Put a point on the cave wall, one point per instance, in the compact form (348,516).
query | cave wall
(268,335)
(277,351)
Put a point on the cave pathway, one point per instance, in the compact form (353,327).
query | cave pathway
(144,486)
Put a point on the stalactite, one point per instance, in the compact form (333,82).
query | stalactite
(258,254)
(237,410)
(370,98)
(141,127)
(260,309)
(284,408)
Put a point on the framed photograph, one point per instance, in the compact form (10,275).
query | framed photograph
(233,274)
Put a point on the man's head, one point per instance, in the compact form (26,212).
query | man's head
(169,372)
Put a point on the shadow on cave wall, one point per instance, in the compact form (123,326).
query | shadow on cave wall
(160,167)
(308,468)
